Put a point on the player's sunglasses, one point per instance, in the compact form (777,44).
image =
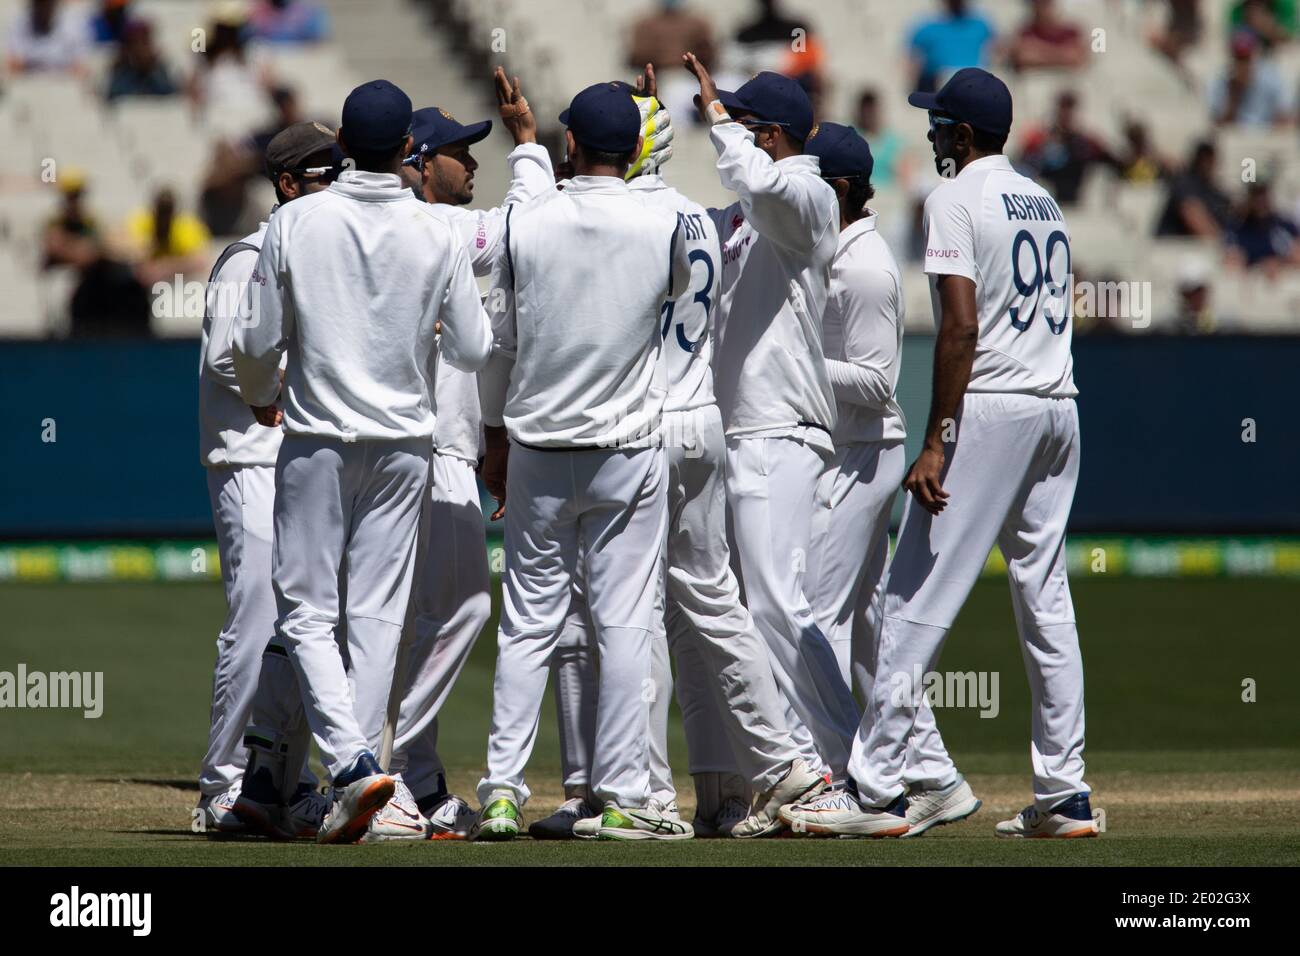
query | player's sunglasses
(940,119)
(416,159)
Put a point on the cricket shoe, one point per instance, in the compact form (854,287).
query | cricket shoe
(500,818)
(259,804)
(655,822)
(560,824)
(358,794)
(400,818)
(799,785)
(1069,819)
(838,812)
(218,812)
(932,808)
(301,818)
(732,811)
(450,818)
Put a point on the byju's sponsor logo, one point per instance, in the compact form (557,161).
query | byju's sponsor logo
(78,909)
(75,690)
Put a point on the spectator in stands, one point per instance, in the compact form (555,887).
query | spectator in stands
(1196,205)
(941,45)
(139,70)
(47,37)
(1260,237)
(1047,41)
(1137,160)
(1193,313)
(1251,91)
(660,38)
(773,41)
(72,235)
(289,21)
(229,86)
(108,24)
(887,146)
(1181,32)
(1272,21)
(1061,155)
(168,242)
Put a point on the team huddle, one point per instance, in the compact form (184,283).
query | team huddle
(688,420)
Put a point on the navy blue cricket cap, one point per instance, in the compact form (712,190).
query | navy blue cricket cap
(433,127)
(842,151)
(604,117)
(971,96)
(376,117)
(773,99)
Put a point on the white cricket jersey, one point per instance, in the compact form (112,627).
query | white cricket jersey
(778,241)
(687,326)
(1004,232)
(228,432)
(863,336)
(350,282)
(575,304)
(458,431)
(531,175)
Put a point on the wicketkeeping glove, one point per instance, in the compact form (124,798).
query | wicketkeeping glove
(656,137)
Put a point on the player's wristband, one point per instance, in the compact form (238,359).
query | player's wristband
(717,113)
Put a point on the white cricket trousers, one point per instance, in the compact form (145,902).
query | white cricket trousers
(771,490)
(251,668)
(452,603)
(349,509)
(1010,475)
(609,506)
(846,567)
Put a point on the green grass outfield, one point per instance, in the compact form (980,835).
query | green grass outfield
(1187,772)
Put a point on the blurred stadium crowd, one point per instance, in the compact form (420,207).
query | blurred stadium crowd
(134,129)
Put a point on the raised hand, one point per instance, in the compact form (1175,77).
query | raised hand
(516,117)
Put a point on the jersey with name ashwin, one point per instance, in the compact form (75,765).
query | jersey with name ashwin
(1004,232)
(688,319)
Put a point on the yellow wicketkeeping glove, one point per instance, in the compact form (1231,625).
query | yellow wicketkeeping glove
(656,137)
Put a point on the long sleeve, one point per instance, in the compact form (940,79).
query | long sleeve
(783,208)
(466,331)
(228,305)
(494,380)
(870,306)
(259,339)
(531,176)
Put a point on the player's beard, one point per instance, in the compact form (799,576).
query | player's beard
(443,186)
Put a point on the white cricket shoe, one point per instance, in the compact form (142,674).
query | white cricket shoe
(800,783)
(400,818)
(1071,818)
(837,812)
(588,828)
(301,818)
(732,811)
(932,808)
(655,822)
(219,812)
(451,818)
(559,825)
(357,795)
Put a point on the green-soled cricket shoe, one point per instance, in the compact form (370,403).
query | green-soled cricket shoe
(643,823)
(499,819)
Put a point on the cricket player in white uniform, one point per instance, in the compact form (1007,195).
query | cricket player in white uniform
(863,338)
(733,713)
(253,676)
(351,282)
(451,594)
(771,383)
(577,382)
(999,466)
